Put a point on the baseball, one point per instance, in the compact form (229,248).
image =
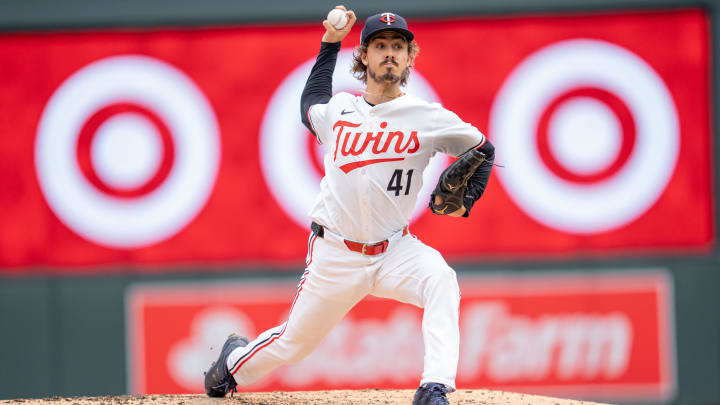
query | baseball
(337,18)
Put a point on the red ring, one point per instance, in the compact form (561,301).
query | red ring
(621,111)
(88,132)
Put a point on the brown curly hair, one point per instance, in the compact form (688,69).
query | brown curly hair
(359,70)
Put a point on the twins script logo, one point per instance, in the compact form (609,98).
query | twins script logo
(376,139)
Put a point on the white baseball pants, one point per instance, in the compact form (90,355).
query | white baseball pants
(336,279)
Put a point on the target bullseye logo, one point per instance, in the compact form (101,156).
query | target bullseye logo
(588,133)
(117,150)
(127,151)
(585,135)
(292,161)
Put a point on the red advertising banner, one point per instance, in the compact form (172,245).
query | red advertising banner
(165,147)
(603,336)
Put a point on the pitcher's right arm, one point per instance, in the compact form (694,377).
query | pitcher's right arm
(318,88)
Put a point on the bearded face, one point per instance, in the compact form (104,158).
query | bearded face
(387,58)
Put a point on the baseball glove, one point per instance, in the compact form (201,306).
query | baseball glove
(453,182)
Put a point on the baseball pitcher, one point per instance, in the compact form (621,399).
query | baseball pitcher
(380,143)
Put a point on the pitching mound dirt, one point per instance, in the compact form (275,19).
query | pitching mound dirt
(358,397)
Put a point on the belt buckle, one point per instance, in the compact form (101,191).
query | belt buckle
(364,248)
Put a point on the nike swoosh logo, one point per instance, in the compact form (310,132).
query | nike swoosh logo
(347,168)
(343,112)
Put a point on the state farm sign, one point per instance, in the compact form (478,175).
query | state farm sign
(603,336)
(511,347)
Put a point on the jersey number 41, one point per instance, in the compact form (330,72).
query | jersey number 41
(396,179)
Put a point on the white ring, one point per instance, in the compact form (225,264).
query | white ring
(160,87)
(527,92)
(286,163)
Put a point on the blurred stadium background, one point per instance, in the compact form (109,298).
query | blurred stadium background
(154,175)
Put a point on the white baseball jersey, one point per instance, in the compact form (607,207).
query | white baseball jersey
(373,172)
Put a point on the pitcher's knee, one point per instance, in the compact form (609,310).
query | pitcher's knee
(443,283)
